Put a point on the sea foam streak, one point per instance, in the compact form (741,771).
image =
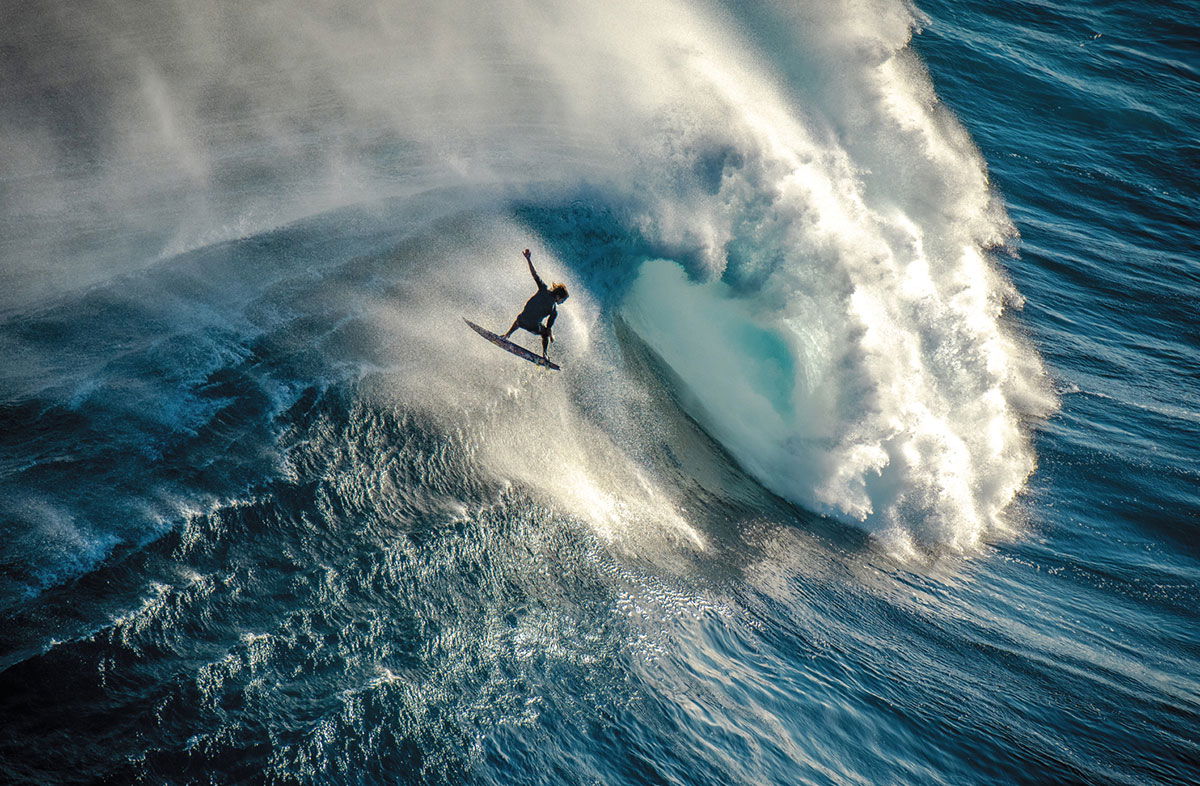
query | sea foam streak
(822,289)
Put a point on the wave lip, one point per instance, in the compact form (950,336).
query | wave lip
(835,320)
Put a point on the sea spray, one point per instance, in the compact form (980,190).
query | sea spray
(842,330)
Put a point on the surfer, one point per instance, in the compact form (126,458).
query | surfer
(543,304)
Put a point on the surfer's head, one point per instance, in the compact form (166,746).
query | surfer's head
(560,292)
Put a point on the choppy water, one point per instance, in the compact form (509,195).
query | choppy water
(873,459)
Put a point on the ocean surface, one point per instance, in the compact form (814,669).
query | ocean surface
(874,459)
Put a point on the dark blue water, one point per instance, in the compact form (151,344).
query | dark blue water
(873,459)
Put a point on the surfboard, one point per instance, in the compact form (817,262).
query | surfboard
(516,349)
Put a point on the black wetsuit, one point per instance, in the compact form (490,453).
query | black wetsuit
(544,303)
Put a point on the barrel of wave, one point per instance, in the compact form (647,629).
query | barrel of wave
(828,425)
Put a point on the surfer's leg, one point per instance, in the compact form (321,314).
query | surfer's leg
(545,331)
(511,329)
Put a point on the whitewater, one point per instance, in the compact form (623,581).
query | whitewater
(272,513)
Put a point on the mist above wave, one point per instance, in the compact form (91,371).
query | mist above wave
(133,133)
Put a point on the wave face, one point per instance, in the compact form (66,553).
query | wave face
(807,230)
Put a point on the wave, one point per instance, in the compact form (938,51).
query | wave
(771,198)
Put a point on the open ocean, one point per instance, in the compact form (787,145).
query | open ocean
(874,459)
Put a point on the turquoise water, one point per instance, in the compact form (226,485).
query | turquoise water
(872,459)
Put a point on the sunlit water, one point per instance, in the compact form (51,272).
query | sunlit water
(873,459)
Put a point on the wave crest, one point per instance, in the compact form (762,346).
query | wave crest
(839,327)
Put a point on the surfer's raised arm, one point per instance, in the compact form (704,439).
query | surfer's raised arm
(529,260)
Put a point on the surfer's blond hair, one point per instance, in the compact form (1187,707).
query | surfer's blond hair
(560,290)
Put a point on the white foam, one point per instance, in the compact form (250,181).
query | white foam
(843,336)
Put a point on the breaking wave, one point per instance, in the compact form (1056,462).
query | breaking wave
(774,202)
